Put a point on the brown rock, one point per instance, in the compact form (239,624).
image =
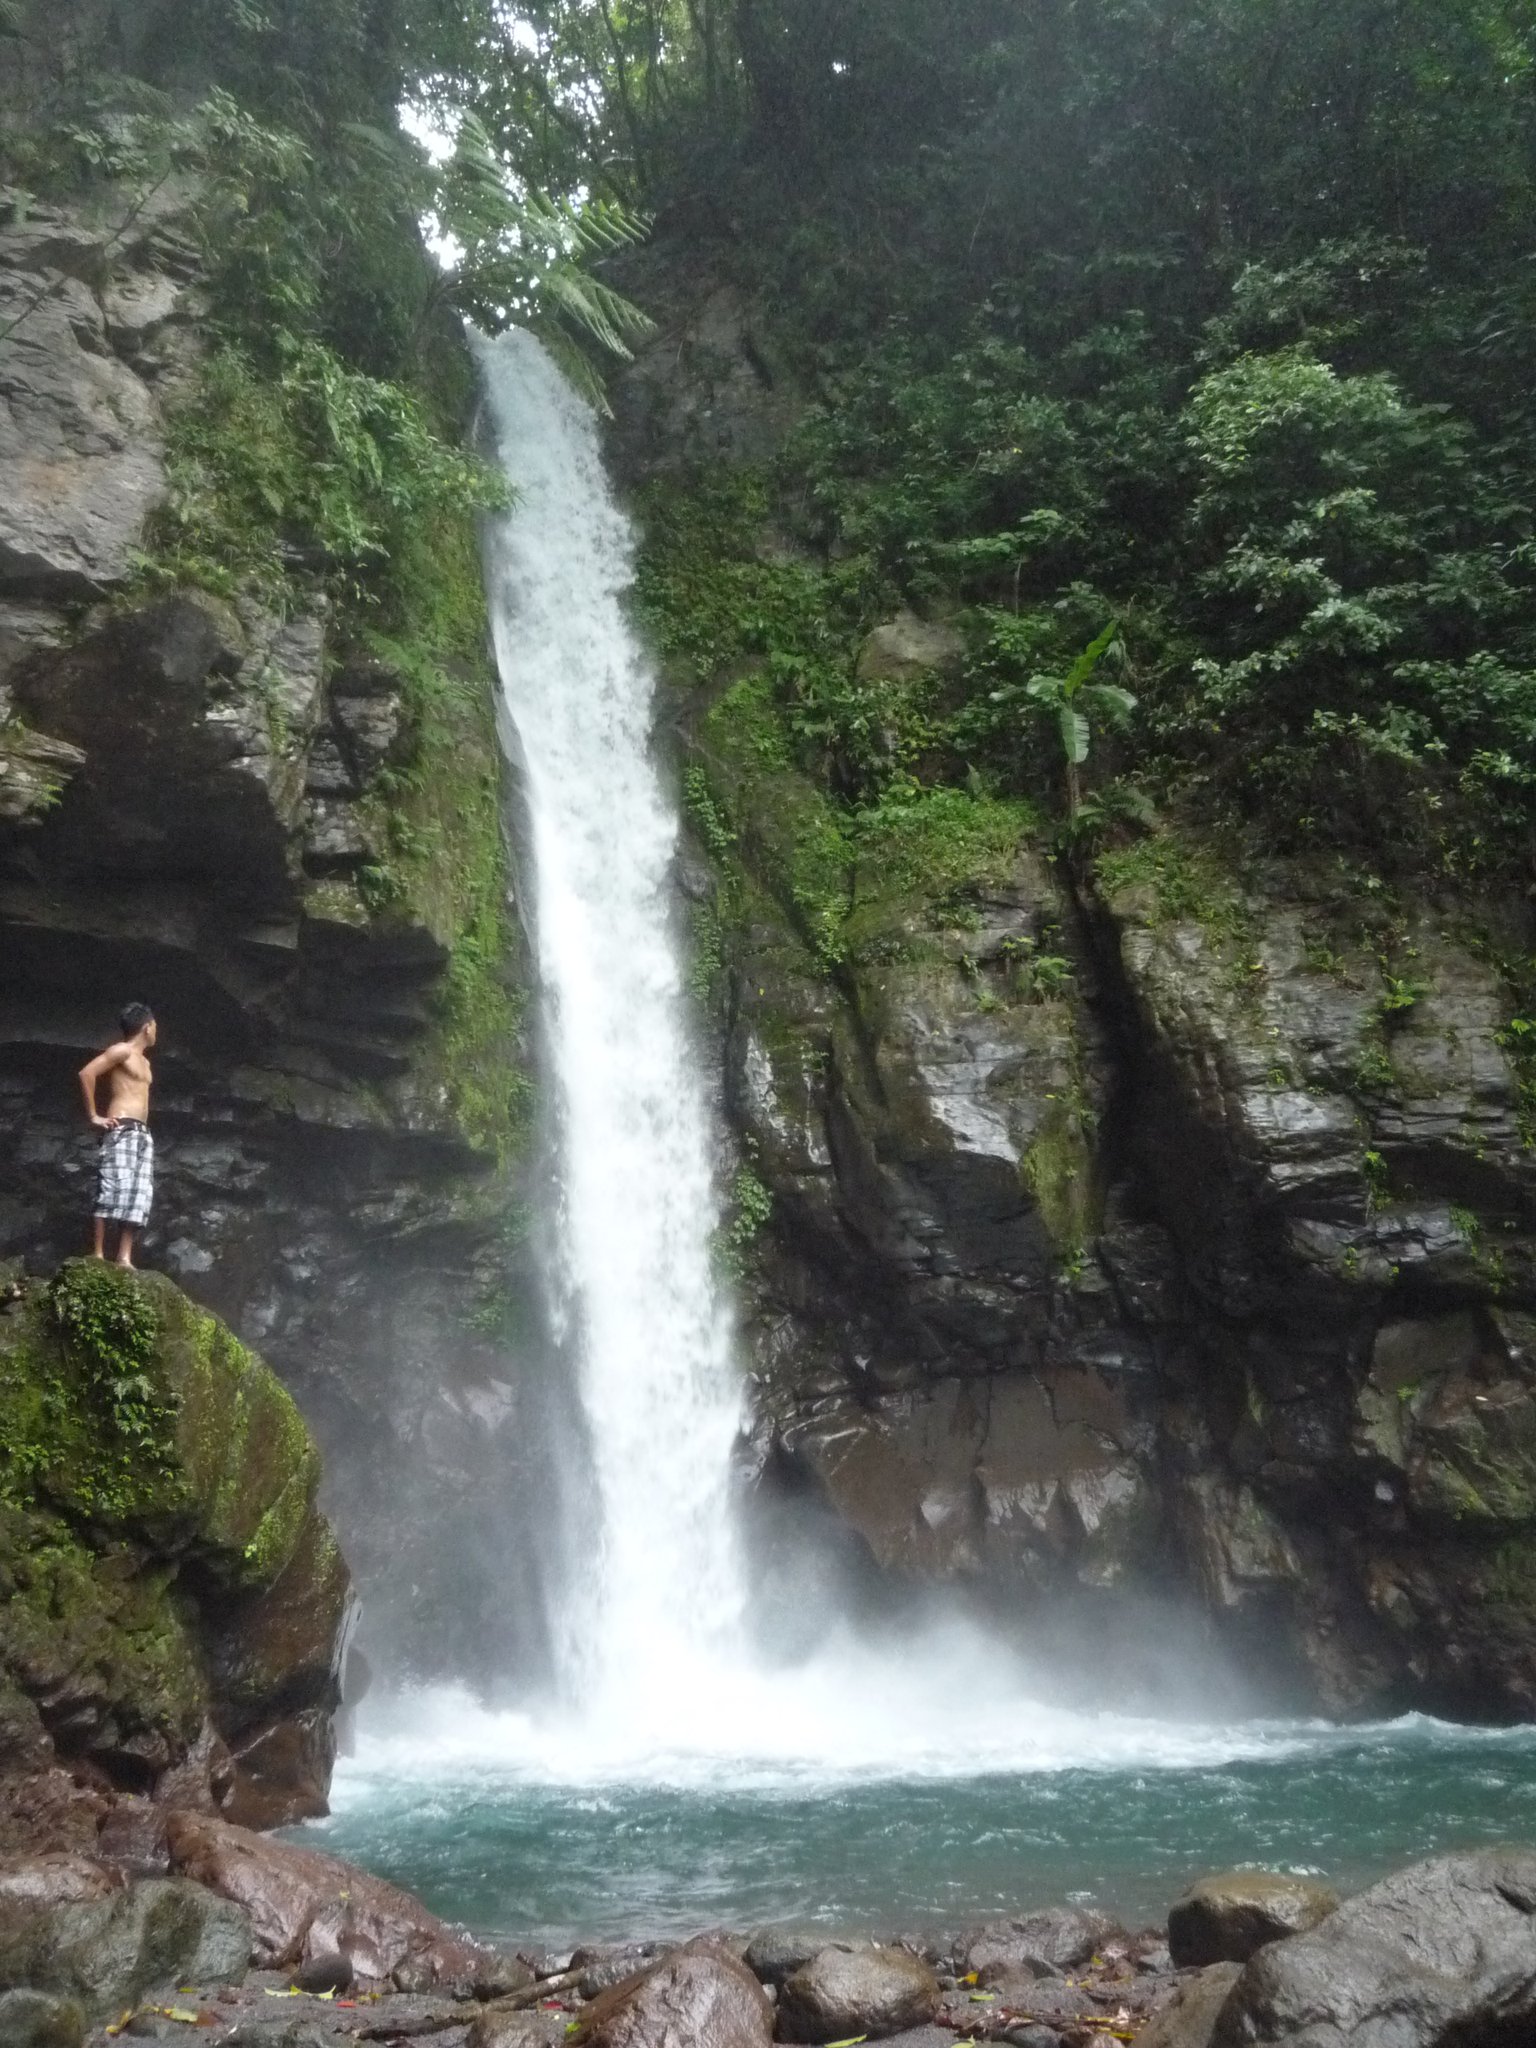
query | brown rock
(847,1991)
(304,1905)
(1189,2019)
(1227,1919)
(701,1996)
(61,1878)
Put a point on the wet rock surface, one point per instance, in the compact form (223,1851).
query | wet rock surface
(1189,2020)
(1228,1919)
(1439,1954)
(109,1953)
(701,1996)
(307,1908)
(846,1991)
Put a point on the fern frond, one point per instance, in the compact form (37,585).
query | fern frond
(575,365)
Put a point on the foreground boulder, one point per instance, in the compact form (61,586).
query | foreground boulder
(700,1996)
(173,1607)
(305,1906)
(1228,1919)
(846,1991)
(108,1953)
(1441,1955)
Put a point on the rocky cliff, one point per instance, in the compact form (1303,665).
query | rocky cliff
(290,843)
(1139,1225)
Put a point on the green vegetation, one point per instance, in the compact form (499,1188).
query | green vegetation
(1214,320)
(751,1205)
(140,1438)
(315,453)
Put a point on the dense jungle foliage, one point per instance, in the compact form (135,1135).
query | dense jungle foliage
(1211,320)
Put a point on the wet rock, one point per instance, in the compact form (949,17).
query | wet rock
(280,2034)
(602,1967)
(131,1838)
(37,2019)
(1052,2001)
(1442,1952)
(701,1996)
(61,1878)
(775,1953)
(1189,2019)
(1229,1918)
(1033,2037)
(492,2029)
(847,1991)
(325,1973)
(109,1952)
(1039,1944)
(304,1905)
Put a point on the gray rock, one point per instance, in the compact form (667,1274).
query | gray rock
(38,2019)
(108,1953)
(701,1996)
(492,2029)
(1189,2020)
(1229,1918)
(79,434)
(775,1953)
(907,647)
(333,842)
(1440,1955)
(1039,1944)
(847,1991)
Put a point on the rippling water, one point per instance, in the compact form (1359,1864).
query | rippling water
(486,1822)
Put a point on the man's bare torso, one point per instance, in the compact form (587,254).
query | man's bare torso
(128,1085)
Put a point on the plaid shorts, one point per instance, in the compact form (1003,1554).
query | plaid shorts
(125,1174)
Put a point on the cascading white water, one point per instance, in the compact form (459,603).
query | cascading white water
(660,1589)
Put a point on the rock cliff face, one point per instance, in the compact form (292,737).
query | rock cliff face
(199,805)
(175,1607)
(1132,1229)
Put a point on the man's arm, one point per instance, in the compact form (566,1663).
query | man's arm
(92,1072)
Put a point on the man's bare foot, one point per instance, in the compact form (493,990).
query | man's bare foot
(127,1265)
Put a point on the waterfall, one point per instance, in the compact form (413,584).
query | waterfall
(658,1587)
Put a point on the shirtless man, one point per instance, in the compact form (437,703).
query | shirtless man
(125,1175)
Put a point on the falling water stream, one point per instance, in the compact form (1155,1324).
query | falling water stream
(679,1780)
(659,1590)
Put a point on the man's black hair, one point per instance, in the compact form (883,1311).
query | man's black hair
(134,1018)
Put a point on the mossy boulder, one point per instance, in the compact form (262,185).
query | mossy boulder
(135,1413)
(169,1587)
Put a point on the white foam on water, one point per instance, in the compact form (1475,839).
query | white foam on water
(838,1724)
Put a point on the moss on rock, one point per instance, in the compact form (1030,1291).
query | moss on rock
(138,1414)
(159,1483)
